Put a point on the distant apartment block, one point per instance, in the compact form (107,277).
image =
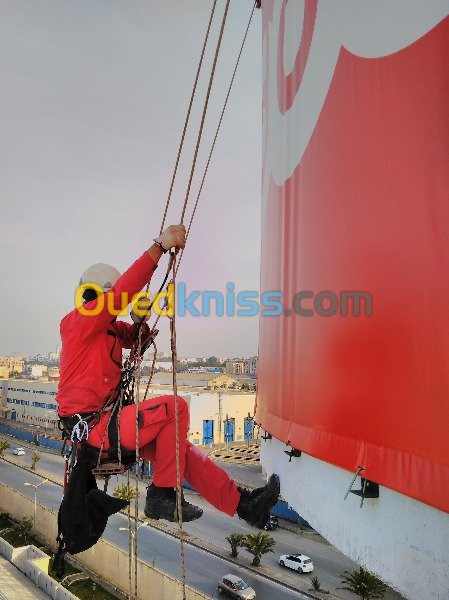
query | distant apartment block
(242,366)
(12,363)
(235,367)
(251,366)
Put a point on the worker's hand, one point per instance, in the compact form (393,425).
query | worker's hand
(141,309)
(173,237)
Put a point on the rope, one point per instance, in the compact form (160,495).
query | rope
(130,544)
(206,103)
(136,358)
(186,122)
(178,465)
(255,5)
(136,501)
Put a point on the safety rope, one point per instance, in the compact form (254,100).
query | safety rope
(205,106)
(126,392)
(136,500)
(220,120)
(173,267)
(179,483)
(130,540)
(187,119)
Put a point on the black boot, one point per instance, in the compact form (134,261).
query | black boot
(161,504)
(254,506)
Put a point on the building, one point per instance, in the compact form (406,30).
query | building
(250,366)
(235,367)
(53,373)
(215,416)
(37,371)
(30,402)
(12,363)
(242,366)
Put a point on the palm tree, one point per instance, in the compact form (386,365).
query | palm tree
(258,544)
(35,458)
(126,492)
(4,445)
(364,584)
(235,539)
(23,528)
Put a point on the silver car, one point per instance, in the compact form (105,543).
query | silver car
(236,588)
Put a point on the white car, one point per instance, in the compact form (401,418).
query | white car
(297,562)
(19,451)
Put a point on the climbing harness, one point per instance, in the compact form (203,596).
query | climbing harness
(117,460)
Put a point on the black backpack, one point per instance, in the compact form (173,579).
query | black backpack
(84,511)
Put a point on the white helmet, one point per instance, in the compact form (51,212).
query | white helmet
(101,274)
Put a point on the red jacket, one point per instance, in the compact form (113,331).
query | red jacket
(91,353)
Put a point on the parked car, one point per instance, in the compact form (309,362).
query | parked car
(272,523)
(297,562)
(236,588)
(19,451)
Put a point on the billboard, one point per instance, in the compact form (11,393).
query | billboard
(355,238)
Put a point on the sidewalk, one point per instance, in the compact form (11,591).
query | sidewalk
(14,585)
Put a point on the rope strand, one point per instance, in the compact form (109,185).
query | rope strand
(178,508)
(218,127)
(136,350)
(206,103)
(187,119)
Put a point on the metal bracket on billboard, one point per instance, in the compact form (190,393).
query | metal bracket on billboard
(357,473)
(368,489)
(293,453)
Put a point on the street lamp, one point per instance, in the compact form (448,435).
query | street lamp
(132,530)
(133,535)
(35,486)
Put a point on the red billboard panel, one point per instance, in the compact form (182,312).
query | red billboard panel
(356,199)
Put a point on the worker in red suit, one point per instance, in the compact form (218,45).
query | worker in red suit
(92,342)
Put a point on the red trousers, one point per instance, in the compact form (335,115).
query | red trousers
(157,443)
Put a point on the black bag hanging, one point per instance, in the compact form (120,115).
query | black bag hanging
(84,511)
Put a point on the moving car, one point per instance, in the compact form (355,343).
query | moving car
(297,562)
(272,523)
(19,451)
(236,588)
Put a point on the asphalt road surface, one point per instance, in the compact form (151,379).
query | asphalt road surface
(155,547)
(213,527)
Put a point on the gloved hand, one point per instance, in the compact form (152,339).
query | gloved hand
(141,309)
(173,237)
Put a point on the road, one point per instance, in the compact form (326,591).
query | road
(156,547)
(213,527)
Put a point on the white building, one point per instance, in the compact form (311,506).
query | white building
(251,366)
(215,417)
(30,402)
(37,371)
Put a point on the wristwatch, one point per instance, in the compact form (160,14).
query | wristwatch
(156,241)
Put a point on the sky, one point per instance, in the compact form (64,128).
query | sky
(93,97)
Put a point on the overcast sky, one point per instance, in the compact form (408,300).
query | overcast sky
(93,97)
